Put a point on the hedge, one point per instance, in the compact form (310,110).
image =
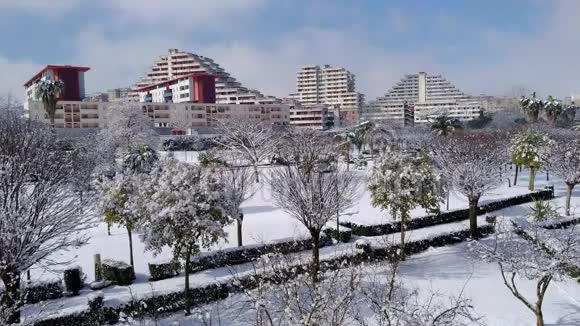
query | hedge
(245,254)
(418,246)
(447,217)
(41,291)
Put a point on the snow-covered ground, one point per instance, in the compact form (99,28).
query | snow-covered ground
(447,270)
(263,223)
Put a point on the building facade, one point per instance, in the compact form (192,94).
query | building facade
(317,116)
(421,96)
(73,78)
(193,88)
(329,85)
(193,116)
(177,64)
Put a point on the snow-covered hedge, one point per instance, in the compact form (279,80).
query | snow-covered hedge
(118,272)
(344,233)
(41,291)
(447,217)
(164,269)
(413,247)
(245,254)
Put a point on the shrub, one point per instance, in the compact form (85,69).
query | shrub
(73,280)
(118,272)
(542,211)
(41,291)
(491,219)
(163,270)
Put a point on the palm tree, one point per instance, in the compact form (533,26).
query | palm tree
(48,90)
(444,125)
(532,107)
(553,109)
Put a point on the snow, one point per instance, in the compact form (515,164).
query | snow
(447,269)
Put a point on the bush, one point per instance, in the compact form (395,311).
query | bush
(41,291)
(542,211)
(118,272)
(73,280)
(344,233)
(163,270)
(186,143)
(491,219)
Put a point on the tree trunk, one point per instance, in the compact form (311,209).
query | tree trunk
(547,175)
(532,179)
(402,248)
(109,229)
(348,158)
(473,217)
(186,288)
(11,298)
(568,198)
(448,194)
(239,222)
(315,254)
(516,177)
(257,173)
(130,234)
(539,316)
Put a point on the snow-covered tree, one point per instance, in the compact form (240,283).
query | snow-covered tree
(471,162)
(128,126)
(444,125)
(39,210)
(239,186)
(253,140)
(525,249)
(48,91)
(552,110)
(562,156)
(525,151)
(312,190)
(403,180)
(532,107)
(119,195)
(285,298)
(184,211)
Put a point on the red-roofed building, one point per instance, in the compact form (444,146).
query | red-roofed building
(193,88)
(73,78)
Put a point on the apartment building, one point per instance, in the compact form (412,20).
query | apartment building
(329,85)
(317,116)
(177,64)
(191,116)
(421,96)
(194,88)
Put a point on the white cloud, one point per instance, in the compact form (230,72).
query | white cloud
(182,13)
(117,63)
(38,7)
(14,75)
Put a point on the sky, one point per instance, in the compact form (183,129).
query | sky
(496,47)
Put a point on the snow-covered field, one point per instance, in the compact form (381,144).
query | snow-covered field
(447,270)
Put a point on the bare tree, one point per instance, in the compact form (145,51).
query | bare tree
(284,296)
(312,190)
(238,187)
(528,250)
(39,211)
(254,141)
(562,155)
(128,126)
(471,162)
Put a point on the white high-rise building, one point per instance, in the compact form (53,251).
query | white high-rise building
(329,85)
(417,97)
(178,63)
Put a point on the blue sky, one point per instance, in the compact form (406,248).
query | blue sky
(489,46)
